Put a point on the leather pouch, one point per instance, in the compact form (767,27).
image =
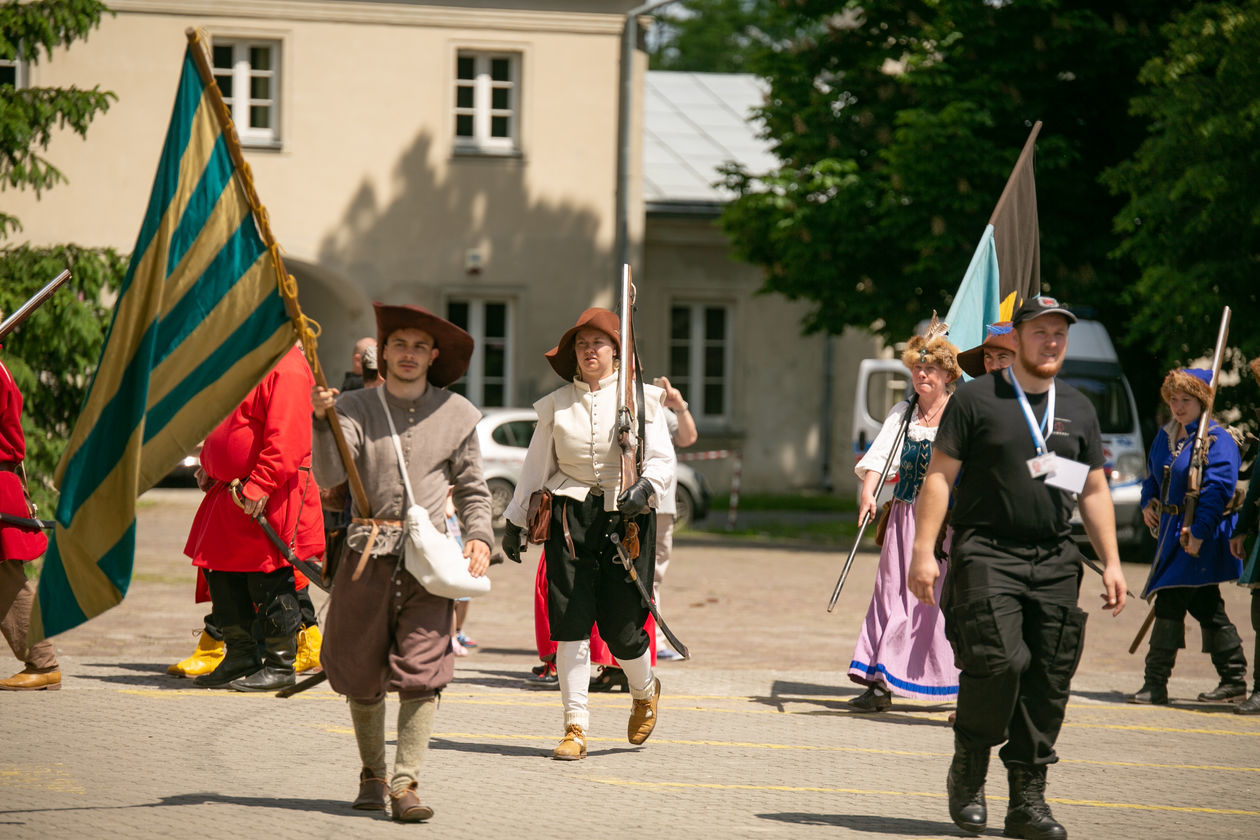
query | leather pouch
(538,519)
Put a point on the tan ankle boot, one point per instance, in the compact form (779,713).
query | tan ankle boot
(643,716)
(572,746)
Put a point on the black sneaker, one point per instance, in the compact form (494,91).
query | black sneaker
(871,701)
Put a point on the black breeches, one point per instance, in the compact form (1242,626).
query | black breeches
(587,585)
(1207,607)
(1017,635)
(240,598)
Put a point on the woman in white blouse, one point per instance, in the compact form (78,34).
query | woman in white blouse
(902,647)
(574,455)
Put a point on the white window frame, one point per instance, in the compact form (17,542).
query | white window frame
(475,379)
(19,67)
(693,388)
(241,100)
(481,111)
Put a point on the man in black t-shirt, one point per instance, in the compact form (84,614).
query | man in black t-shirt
(1027,446)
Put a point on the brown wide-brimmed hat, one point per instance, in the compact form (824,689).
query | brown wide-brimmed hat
(999,336)
(454,346)
(562,357)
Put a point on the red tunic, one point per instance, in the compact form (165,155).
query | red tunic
(266,443)
(15,543)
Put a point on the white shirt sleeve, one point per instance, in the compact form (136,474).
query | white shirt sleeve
(540,462)
(881,448)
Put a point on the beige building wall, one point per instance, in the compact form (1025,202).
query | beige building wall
(366,193)
(778,416)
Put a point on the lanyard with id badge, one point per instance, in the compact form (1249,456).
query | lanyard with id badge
(1063,473)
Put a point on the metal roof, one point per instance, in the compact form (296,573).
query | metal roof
(692,124)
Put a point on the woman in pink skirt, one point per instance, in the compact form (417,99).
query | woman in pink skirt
(902,648)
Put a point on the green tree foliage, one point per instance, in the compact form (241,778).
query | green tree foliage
(53,352)
(1192,221)
(710,36)
(29,117)
(897,124)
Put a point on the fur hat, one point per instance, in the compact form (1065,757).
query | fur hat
(563,358)
(999,336)
(1196,382)
(1255,369)
(932,349)
(455,347)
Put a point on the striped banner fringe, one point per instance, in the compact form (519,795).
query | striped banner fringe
(199,320)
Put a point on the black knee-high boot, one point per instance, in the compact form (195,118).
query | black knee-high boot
(240,660)
(277,672)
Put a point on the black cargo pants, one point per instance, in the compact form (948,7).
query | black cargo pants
(1017,634)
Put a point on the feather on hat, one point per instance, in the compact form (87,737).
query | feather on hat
(933,348)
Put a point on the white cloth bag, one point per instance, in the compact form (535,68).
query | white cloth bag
(433,558)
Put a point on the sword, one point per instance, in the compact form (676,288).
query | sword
(624,557)
(313,573)
(27,524)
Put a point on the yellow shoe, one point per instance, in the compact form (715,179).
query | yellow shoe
(205,658)
(309,642)
(573,746)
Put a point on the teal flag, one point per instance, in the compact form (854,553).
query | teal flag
(198,322)
(978,299)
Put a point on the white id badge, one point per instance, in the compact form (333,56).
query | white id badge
(1069,475)
(1043,465)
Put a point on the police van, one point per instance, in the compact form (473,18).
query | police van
(1092,366)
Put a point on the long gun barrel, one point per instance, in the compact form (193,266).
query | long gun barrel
(893,454)
(1198,456)
(24,311)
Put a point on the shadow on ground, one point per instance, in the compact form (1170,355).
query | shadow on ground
(898,826)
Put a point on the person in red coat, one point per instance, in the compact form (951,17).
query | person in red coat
(17,546)
(265,444)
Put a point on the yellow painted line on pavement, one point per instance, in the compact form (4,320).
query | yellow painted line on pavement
(1133,727)
(1133,806)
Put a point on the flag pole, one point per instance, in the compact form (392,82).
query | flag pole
(307,329)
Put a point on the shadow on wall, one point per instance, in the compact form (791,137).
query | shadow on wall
(411,248)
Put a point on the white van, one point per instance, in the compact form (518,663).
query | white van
(1093,367)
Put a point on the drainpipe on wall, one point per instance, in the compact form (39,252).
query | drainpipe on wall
(825,420)
(629,40)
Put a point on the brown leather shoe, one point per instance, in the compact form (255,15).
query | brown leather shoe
(371,792)
(572,746)
(406,806)
(28,680)
(643,716)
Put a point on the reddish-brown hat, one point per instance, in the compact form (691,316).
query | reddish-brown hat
(999,336)
(563,358)
(454,345)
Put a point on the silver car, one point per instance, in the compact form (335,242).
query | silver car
(504,433)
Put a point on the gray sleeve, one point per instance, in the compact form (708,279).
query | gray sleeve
(471,495)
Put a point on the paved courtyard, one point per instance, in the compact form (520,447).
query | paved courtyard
(754,738)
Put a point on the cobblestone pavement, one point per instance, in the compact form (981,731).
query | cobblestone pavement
(754,739)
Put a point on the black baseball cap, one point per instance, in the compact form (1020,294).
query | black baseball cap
(1035,307)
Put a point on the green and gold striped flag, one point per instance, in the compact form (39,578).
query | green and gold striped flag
(203,313)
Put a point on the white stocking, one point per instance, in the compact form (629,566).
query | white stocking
(573,667)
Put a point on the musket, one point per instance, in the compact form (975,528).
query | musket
(895,452)
(1194,477)
(27,524)
(630,418)
(24,311)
